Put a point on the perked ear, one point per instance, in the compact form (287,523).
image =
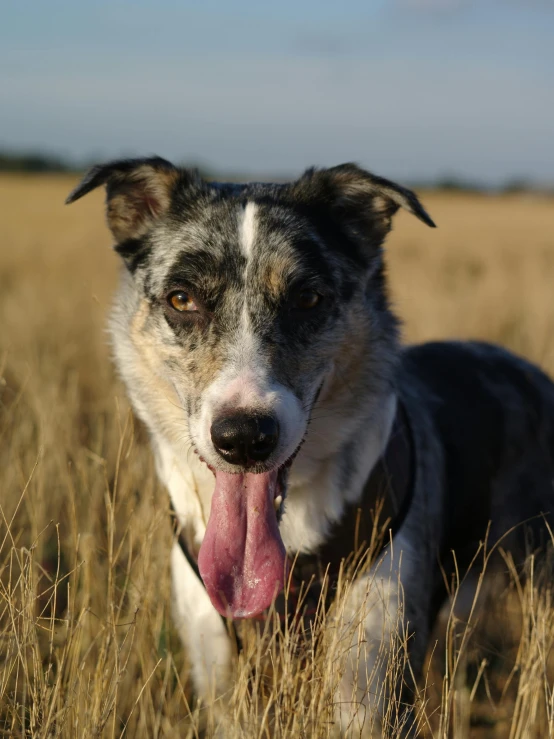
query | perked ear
(138,191)
(368,202)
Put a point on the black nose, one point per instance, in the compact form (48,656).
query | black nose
(243,439)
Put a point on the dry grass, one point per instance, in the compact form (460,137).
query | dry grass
(87,648)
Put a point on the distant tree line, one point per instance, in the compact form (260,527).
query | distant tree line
(40,162)
(34,162)
(452,183)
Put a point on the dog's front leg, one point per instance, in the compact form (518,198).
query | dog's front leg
(385,630)
(201,629)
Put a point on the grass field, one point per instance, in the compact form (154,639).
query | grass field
(87,647)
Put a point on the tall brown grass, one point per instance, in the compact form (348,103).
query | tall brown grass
(87,647)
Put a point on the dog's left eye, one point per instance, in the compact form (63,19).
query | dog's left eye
(181,301)
(307,299)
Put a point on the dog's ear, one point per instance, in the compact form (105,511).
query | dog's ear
(365,201)
(138,192)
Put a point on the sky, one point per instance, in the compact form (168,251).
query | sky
(411,89)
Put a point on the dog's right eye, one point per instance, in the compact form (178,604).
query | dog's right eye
(307,299)
(182,302)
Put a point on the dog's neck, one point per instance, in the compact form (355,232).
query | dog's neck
(330,471)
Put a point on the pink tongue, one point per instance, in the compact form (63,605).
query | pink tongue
(242,557)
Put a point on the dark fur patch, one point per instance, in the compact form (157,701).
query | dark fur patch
(135,253)
(490,409)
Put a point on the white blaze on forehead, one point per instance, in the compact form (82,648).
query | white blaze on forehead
(247,229)
(247,235)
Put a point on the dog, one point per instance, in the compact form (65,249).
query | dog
(253,330)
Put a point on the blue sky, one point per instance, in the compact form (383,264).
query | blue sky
(409,88)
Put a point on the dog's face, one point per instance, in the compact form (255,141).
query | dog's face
(247,291)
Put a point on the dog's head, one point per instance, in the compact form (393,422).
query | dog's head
(247,291)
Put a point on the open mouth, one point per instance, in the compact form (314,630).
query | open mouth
(282,484)
(242,559)
(282,479)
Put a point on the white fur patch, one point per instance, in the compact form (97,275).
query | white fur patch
(189,482)
(376,604)
(200,628)
(247,229)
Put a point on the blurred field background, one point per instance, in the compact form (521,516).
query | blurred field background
(86,642)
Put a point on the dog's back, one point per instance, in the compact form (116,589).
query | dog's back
(494,415)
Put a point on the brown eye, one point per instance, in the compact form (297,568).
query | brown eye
(307,299)
(182,302)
